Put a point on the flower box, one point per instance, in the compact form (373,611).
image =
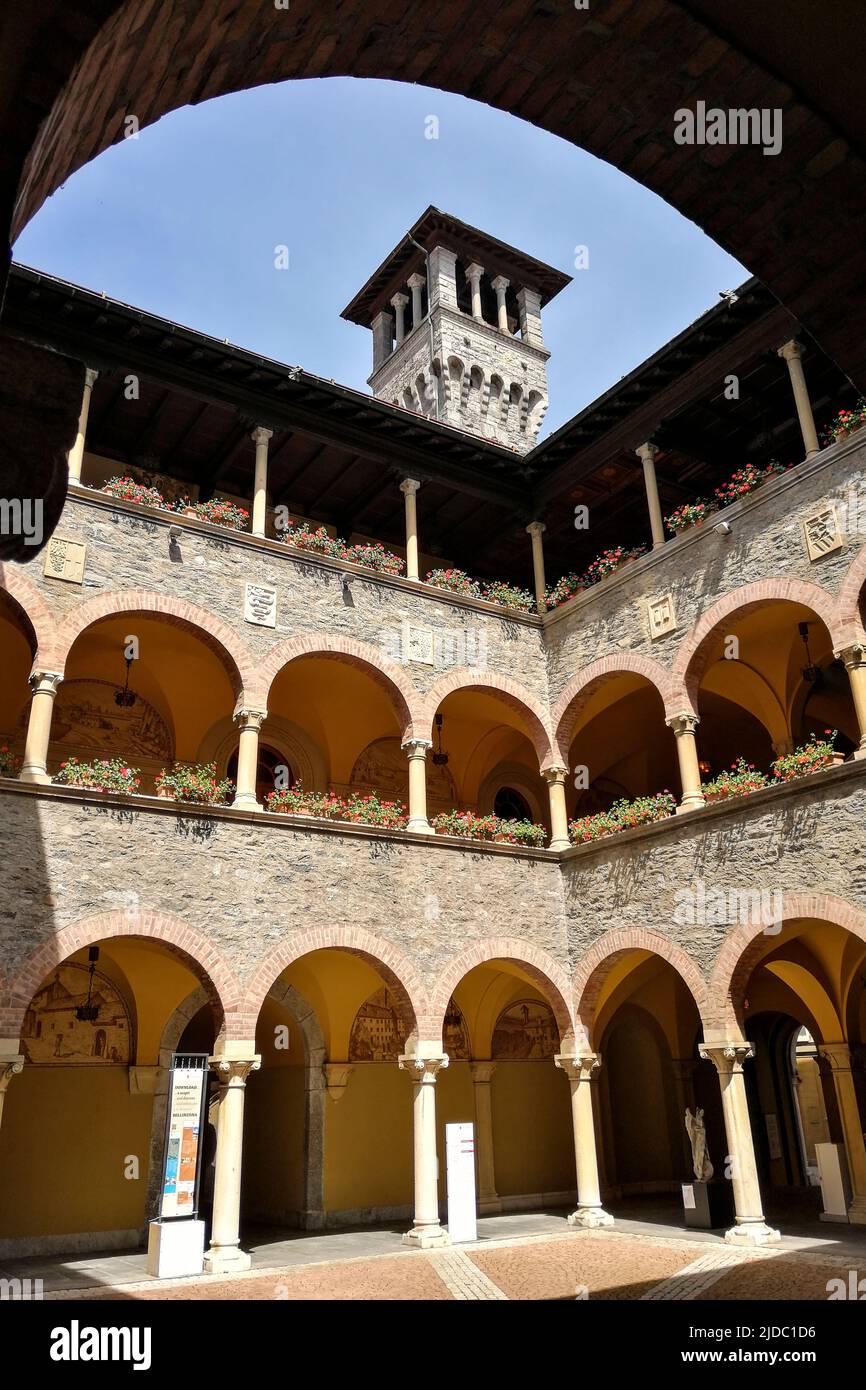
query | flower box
(128,490)
(197,785)
(810,757)
(741,779)
(623,815)
(10,763)
(101,775)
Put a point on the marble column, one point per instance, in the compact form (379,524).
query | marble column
(75,457)
(750,1227)
(579,1070)
(854,658)
(260,438)
(398,304)
(249,722)
(426,1231)
(11,1064)
(500,285)
(474,273)
(535,530)
(416,750)
(838,1055)
(409,488)
(232,1068)
(44,686)
(684,726)
(555,779)
(489,1202)
(792,352)
(647,454)
(416,284)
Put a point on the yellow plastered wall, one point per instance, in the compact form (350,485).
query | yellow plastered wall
(274,1119)
(368,1140)
(533,1143)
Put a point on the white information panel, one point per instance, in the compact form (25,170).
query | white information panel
(460,1181)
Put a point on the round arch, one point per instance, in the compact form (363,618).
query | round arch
(516,696)
(744,946)
(850,615)
(691,658)
(595,965)
(386,673)
(25,602)
(387,959)
(213,632)
(549,977)
(577,692)
(196,951)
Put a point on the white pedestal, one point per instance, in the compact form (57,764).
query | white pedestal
(835,1183)
(175,1248)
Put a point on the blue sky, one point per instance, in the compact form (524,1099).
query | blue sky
(183,221)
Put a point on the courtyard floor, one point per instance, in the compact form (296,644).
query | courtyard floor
(525,1256)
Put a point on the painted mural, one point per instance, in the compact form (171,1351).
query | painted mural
(455,1034)
(525,1030)
(53,1036)
(88,720)
(376,1034)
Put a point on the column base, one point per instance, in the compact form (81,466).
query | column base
(859,753)
(489,1206)
(246,803)
(419,827)
(752,1233)
(38,775)
(690,803)
(227,1259)
(857,1212)
(559,844)
(590,1218)
(426,1237)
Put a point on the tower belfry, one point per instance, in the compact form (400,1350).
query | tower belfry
(456,323)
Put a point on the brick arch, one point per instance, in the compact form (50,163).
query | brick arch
(386,673)
(516,696)
(548,976)
(25,600)
(388,960)
(744,945)
(212,631)
(595,965)
(180,939)
(577,692)
(850,617)
(691,658)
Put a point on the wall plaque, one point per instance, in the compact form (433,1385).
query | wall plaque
(64,559)
(662,617)
(260,605)
(822,532)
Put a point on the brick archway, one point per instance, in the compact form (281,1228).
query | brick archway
(196,951)
(849,602)
(577,692)
(549,978)
(516,696)
(594,967)
(25,600)
(365,657)
(388,960)
(232,653)
(746,944)
(691,658)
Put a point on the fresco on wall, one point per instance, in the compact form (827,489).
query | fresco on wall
(87,719)
(384,768)
(455,1034)
(53,1036)
(376,1034)
(525,1030)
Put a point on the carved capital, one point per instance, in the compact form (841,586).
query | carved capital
(727,1058)
(423,1070)
(416,747)
(409,485)
(90,375)
(337,1078)
(647,452)
(9,1067)
(260,435)
(233,1071)
(580,1066)
(399,301)
(482,1072)
(790,351)
(837,1054)
(555,774)
(854,656)
(500,284)
(44,682)
(250,718)
(536,528)
(683,724)
(416,281)
(474,272)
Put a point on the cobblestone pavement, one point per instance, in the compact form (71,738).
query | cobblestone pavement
(575,1266)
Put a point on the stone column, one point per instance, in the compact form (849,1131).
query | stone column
(535,530)
(75,457)
(416,749)
(555,778)
(260,437)
(423,1071)
(474,273)
(750,1228)
(249,722)
(579,1070)
(488,1198)
(838,1055)
(44,686)
(854,658)
(398,304)
(232,1067)
(11,1064)
(500,285)
(529,309)
(383,338)
(684,726)
(793,354)
(647,454)
(409,488)
(416,284)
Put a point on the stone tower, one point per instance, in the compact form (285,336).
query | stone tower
(456,323)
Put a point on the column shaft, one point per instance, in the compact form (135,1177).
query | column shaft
(839,1057)
(474,273)
(416,749)
(535,530)
(75,457)
(792,353)
(249,723)
(647,454)
(35,766)
(11,1064)
(555,779)
(225,1254)
(590,1211)
(260,438)
(488,1197)
(409,488)
(426,1230)
(684,726)
(750,1228)
(855,664)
